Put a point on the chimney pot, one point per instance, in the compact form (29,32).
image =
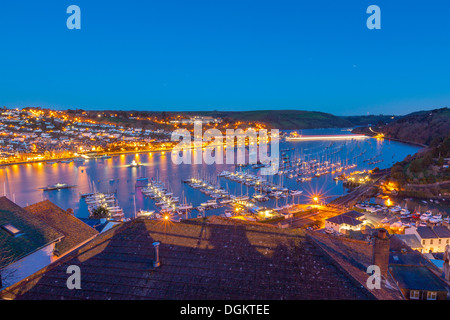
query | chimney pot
(382,234)
(156,262)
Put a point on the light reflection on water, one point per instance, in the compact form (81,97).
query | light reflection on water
(22,182)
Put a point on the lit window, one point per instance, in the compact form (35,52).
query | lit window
(431,295)
(414,294)
(11,229)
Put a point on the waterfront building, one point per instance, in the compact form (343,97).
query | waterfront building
(351,220)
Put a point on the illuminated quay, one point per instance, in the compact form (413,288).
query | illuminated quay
(298,137)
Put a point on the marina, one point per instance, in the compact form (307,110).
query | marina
(157,184)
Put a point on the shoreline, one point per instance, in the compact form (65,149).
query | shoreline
(116,153)
(365,130)
(58,160)
(408,142)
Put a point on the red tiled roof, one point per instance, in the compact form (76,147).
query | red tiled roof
(216,259)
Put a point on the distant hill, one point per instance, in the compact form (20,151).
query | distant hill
(292,119)
(280,119)
(421,127)
(371,119)
(296,119)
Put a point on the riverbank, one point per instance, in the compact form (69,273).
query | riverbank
(116,153)
(99,155)
(368,132)
(59,160)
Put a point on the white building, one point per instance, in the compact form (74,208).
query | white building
(432,239)
(351,220)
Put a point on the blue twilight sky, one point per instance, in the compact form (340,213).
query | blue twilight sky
(226,55)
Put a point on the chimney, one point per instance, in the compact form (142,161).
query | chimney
(70,211)
(156,263)
(446,266)
(380,256)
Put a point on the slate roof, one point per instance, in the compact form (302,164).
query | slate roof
(34,233)
(218,258)
(433,233)
(411,240)
(354,256)
(74,230)
(442,232)
(416,278)
(349,218)
(411,259)
(354,214)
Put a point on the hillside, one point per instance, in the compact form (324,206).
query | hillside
(425,174)
(421,127)
(295,119)
(370,119)
(292,119)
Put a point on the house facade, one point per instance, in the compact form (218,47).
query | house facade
(431,239)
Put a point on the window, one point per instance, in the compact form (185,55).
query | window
(431,295)
(447,241)
(11,229)
(423,241)
(439,241)
(431,241)
(414,294)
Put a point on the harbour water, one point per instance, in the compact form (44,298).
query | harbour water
(22,183)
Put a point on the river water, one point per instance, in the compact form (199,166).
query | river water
(21,183)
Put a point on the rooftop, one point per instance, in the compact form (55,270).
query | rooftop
(74,230)
(354,214)
(216,258)
(411,240)
(348,218)
(416,278)
(355,256)
(411,259)
(32,233)
(433,233)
